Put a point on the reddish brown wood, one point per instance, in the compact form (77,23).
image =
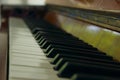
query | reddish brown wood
(3,50)
(104,5)
(52,17)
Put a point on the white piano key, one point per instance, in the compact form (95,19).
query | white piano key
(27,52)
(24,48)
(24,38)
(30,56)
(21,44)
(28,48)
(32,76)
(33,70)
(41,63)
(27,60)
(26,41)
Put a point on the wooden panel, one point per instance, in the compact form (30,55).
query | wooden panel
(111,5)
(3,50)
(104,19)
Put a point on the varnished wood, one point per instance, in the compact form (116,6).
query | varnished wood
(101,5)
(105,40)
(3,50)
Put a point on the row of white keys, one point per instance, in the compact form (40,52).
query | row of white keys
(27,60)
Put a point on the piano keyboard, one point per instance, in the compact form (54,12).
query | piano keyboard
(70,57)
(73,58)
(27,60)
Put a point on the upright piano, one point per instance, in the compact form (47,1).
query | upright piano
(62,40)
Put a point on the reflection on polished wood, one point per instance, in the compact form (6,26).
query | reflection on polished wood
(104,39)
(104,5)
(3,50)
(109,20)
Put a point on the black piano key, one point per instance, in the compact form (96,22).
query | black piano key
(36,34)
(59,56)
(54,51)
(53,36)
(41,41)
(70,45)
(72,48)
(63,40)
(81,76)
(79,50)
(46,43)
(63,60)
(70,68)
(47,30)
(59,38)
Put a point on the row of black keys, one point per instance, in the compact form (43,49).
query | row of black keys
(71,56)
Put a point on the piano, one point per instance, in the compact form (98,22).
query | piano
(60,41)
